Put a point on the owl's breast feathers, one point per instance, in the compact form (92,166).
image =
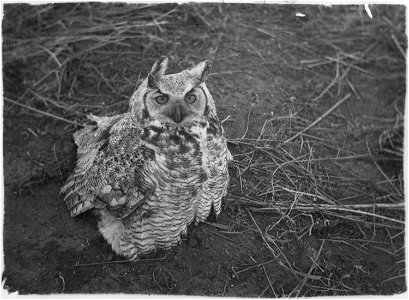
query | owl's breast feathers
(122,165)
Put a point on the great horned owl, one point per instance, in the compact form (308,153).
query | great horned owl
(152,171)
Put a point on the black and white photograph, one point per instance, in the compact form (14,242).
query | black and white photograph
(221,149)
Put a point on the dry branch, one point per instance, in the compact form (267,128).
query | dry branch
(42,112)
(320,118)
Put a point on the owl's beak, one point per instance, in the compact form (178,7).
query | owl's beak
(177,116)
(179,113)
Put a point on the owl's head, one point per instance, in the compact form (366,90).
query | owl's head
(173,98)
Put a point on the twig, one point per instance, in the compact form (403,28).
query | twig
(349,157)
(321,207)
(52,55)
(269,282)
(255,266)
(110,106)
(352,88)
(335,80)
(231,240)
(398,45)
(63,282)
(225,119)
(32,132)
(389,252)
(349,66)
(264,291)
(311,269)
(167,13)
(393,278)
(256,50)
(248,121)
(103,78)
(199,15)
(42,112)
(224,288)
(117,262)
(308,195)
(309,276)
(217,225)
(288,267)
(228,72)
(157,284)
(55,103)
(319,119)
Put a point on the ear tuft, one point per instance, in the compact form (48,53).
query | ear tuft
(160,66)
(157,71)
(151,81)
(201,71)
(206,71)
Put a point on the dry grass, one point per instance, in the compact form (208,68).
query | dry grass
(299,168)
(300,172)
(56,41)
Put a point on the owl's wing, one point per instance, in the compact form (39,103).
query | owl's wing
(104,178)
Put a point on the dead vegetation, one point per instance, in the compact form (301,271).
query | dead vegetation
(299,171)
(57,41)
(294,179)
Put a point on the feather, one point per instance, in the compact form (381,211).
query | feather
(86,187)
(145,177)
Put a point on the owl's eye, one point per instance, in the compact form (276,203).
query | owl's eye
(162,99)
(190,98)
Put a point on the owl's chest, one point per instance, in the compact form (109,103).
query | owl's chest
(179,155)
(179,158)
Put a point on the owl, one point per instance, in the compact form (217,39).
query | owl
(150,172)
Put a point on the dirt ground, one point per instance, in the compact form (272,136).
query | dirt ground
(257,53)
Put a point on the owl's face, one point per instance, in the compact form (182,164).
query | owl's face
(175,98)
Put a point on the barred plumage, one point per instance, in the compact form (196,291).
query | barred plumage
(152,171)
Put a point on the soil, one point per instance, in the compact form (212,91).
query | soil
(47,251)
